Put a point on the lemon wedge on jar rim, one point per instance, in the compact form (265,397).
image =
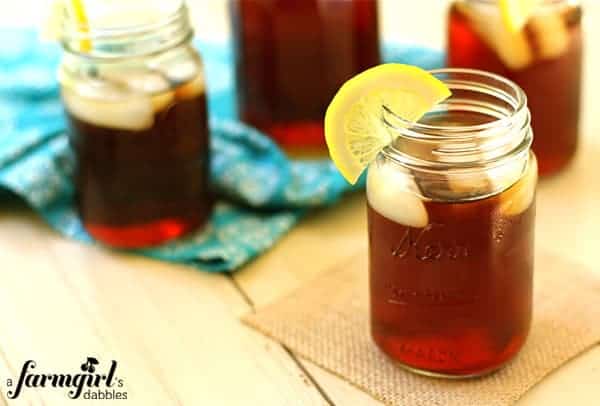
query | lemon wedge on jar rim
(354,129)
(516,13)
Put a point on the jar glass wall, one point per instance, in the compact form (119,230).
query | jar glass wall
(292,56)
(134,95)
(451,231)
(544,58)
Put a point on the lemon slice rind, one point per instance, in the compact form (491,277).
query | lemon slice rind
(516,13)
(354,130)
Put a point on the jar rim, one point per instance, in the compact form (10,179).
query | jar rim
(473,145)
(520,98)
(110,42)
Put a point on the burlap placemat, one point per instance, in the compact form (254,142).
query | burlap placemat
(326,322)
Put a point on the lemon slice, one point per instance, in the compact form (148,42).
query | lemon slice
(516,13)
(52,20)
(512,47)
(519,197)
(354,130)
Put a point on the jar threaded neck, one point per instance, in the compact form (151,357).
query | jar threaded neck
(440,141)
(152,31)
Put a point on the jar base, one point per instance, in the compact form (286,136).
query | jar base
(441,375)
(457,370)
(144,235)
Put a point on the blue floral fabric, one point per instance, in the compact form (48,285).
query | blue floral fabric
(271,191)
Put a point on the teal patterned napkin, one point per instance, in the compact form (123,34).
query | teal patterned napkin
(271,191)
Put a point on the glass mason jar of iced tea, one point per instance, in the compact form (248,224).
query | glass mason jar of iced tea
(544,58)
(451,230)
(292,56)
(134,93)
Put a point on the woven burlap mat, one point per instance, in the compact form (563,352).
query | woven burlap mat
(326,322)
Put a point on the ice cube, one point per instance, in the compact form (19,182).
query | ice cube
(392,192)
(191,89)
(162,101)
(495,179)
(470,184)
(519,197)
(178,65)
(182,70)
(138,80)
(504,176)
(551,34)
(148,83)
(512,48)
(110,109)
(488,182)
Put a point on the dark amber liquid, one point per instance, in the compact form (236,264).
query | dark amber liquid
(141,188)
(292,56)
(455,297)
(553,87)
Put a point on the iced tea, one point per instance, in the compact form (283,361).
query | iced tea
(133,89)
(292,56)
(544,59)
(453,297)
(143,163)
(451,209)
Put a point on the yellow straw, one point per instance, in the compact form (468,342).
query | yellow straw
(85,45)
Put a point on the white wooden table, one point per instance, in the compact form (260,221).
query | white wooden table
(175,331)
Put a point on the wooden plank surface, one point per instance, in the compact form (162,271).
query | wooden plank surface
(320,242)
(175,331)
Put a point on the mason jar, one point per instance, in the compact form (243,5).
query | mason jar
(291,58)
(451,230)
(134,94)
(544,58)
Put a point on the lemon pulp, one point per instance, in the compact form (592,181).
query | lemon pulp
(354,130)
